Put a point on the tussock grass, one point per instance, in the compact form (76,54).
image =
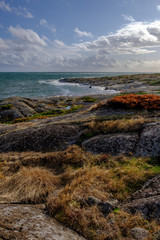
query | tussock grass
(70,206)
(29,185)
(72,156)
(80,174)
(115,126)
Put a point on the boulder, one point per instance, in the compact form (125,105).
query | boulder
(42,136)
(149,141)
(146,200)
(112,143)
(139,233)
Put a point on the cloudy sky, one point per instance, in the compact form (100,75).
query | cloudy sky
(80,35)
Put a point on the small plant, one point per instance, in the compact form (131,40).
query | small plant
(6,107)
(89,99)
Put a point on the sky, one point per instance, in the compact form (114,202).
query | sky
(80,35)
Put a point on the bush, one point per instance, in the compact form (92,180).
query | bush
(133,101)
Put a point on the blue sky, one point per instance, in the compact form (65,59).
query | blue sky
(80,35)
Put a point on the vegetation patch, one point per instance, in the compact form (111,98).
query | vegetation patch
(79,175)
(29,185)
(117,181)
(6,107)
(133,101)
(89,99)
(51,113)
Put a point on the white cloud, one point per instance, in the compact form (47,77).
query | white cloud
(20,11)
(128,18)
(158,7)
(27,36)
(59,43)
(82,34)
(120,51)
(135,37)
(44,23)
(5,6)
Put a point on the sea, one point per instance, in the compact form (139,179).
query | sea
(46,84)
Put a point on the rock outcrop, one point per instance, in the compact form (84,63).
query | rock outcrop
(146,200)
(28,222)
(149,141)
(42,136)
(112,143)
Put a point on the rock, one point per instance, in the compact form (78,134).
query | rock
(139,233)
(104,207)
(39,136)
(92,201)
(23,222)
(147,200)
(149,141)
(112,143)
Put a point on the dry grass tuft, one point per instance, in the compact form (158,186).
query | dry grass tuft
(124,125)
(29,185)
(73,156)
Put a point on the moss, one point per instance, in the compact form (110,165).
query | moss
(51,113)
(89,99)
(6,107)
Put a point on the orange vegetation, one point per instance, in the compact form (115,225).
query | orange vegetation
(146,101)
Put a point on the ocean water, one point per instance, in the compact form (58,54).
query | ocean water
(45,84)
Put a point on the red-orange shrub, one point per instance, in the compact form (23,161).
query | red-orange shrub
(147,101)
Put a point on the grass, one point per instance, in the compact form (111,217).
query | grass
(51,113)
(65,179)
(6,107)
(29,185)
(124,176)
(89,99)
(116,126)
(123,125)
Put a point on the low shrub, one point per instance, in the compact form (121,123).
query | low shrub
(133,101)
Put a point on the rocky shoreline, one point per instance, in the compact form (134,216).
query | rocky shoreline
(94,166)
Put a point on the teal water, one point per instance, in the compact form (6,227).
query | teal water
(43,84)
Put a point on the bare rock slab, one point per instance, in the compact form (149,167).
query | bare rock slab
(42,136)
(112,143)
(23,222)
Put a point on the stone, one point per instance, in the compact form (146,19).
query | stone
(146,200)
(114,144)
(23,222)
(39,136)
(139,233)
(92,201)
(105,208)
(149,141)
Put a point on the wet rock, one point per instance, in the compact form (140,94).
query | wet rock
(112,143)
(146,200)
(139,233)
(23,222)
(149,141)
